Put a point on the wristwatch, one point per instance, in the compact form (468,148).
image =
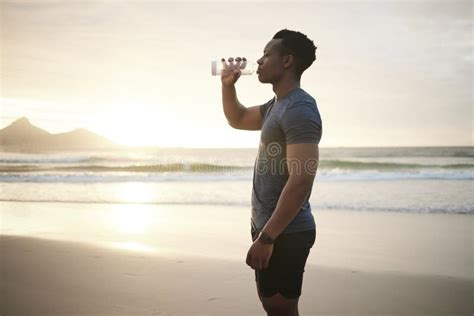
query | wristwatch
(265,238)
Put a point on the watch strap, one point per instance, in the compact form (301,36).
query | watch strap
(265,238)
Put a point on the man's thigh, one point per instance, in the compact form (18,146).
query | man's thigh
(285,270)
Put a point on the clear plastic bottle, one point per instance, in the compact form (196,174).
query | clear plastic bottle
(246,67)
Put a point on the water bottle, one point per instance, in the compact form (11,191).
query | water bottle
(246,67)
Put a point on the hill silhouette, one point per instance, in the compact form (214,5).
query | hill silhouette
(22,136)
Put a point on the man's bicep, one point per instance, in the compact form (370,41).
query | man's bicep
(302,124)
(251,119)
(303,160)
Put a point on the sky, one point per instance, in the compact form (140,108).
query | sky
(387,73)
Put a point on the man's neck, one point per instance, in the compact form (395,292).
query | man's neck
(284,87)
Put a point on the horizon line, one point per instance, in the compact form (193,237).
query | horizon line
(125,146)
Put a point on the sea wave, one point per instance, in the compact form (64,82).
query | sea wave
(358,165)
(243,174)
(157,168)
(127,177)
(33,159)
(206,167)
(454,209)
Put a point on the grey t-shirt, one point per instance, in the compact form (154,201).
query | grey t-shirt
(292,119)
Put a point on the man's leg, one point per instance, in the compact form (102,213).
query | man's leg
(278,305)
(279,286)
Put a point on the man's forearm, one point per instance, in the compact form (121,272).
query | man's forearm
(232,108)
(291,200)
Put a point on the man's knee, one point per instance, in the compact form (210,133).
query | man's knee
(279,305)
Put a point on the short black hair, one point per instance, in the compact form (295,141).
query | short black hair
(300,46)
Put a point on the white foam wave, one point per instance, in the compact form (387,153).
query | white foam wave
(244,175)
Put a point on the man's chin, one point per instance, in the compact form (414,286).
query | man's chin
(261,79)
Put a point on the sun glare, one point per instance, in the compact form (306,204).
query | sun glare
(132,126)
(131,218)
(133,246)
(133,123)
(134,192)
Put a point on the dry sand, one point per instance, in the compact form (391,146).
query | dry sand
(412,273)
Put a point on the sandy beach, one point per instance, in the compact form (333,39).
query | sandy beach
(189,260)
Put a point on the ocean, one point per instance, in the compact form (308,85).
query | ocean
(404,179)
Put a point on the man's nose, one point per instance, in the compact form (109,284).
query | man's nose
(259,61)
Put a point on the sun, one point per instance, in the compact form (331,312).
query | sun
(135,124)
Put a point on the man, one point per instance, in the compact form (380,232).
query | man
(282,225)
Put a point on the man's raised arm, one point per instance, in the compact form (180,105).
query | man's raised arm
(238,116)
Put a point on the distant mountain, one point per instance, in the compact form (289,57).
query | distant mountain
(23,136)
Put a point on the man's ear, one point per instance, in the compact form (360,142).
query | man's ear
(288,61)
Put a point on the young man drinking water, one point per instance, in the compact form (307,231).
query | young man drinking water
(282,225)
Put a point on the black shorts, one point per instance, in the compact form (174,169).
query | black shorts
(285,269)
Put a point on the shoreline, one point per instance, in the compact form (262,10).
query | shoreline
(410,243)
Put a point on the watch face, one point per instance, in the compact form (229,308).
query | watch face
(265,238)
